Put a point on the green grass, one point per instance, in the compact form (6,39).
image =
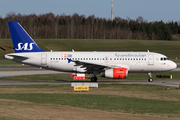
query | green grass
(65,77)
(9,63)
(102,102)
(154,100)
(140,91)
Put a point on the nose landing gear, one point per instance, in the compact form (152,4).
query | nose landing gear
(150,77)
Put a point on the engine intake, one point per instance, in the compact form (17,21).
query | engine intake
(115,73)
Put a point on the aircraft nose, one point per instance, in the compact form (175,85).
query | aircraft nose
(173,65)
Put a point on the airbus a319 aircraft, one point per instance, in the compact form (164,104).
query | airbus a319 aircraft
(114,65)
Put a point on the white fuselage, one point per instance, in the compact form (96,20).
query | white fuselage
(133,61)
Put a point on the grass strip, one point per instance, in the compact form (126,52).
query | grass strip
(102,102)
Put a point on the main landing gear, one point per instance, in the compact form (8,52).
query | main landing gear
(150,77)
(94,79)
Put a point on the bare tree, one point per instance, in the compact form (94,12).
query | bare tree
(139,19)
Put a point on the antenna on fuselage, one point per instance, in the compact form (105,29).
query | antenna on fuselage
(147,50)
(72,50)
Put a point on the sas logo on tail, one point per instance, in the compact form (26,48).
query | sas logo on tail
(25,46)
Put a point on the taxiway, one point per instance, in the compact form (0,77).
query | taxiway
(169,83)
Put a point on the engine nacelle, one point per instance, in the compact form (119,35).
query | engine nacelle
(115,73)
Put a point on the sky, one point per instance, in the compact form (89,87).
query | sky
(150,10)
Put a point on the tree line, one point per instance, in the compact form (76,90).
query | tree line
(48,25)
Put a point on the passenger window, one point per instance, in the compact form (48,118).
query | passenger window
(114,58)
(94,58)
(51,58)
(84,58)
(97,58)
(64,58)
(117,58)
(61,58)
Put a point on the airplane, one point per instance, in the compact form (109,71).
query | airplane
(114,65)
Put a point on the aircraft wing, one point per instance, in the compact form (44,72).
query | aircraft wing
(90,65)
(95,66)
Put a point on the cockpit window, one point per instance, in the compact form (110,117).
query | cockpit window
(163,59)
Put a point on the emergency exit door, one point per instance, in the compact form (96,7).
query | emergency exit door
(151,60)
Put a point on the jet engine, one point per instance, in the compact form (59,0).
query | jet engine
(115,73)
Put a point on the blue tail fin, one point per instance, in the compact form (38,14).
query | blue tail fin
(21,40)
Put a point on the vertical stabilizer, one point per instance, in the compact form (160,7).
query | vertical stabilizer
(21,40)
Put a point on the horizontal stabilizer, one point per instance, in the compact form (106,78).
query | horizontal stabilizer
(17,57)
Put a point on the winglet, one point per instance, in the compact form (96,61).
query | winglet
(69,60)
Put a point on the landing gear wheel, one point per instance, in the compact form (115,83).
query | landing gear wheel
(93,79)
(150,80)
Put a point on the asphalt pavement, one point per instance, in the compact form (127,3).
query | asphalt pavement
(169,83)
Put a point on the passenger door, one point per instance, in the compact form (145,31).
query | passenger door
(43,59)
